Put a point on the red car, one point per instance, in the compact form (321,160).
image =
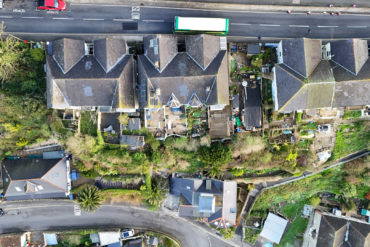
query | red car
(51,4)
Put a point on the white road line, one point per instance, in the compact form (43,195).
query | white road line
(87,19)
(357,26)
(299,26)
(6,16)
(32,17)
(153,20)
(122,20)
(269,25)
(62,18)
(240,24)
(326,26)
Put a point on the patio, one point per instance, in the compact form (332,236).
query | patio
(176,121)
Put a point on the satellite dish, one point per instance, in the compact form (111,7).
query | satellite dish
(244,83)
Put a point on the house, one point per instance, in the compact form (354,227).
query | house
(85,75)
(274,228)
(26,179)
(173,74)
(252,106)
(311,74)
(211,199)
(332,231)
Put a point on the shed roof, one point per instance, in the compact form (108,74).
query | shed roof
(274,228)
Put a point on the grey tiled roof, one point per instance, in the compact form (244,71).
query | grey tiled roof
(355,93)
(35,178)
(302,55)
(184,77)
(350,53)
(109,51)
(160,49)
(102,79)
(333,230)
(253,107)
(287,84)
(191,189)
(67,52)
(202,48)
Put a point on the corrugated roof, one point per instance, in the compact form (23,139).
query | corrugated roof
(273,228)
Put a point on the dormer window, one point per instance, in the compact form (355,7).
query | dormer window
(89,48)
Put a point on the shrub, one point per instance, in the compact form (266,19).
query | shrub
(90,198)
(237,172)
(216,154)
(315,201)
(228,233)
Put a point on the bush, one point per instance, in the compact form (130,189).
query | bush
(352,114)
(228,233)
(237,172)
(299,117)
(315,201)
(216,154)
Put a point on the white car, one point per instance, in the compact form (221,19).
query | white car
(128,233)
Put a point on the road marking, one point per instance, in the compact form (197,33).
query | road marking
(122,20)
(135,8)
(153,20)
(92,19)
(77,210)
(135,15)
(357,26)
(63,18)
(269,25)
(32,17)
(240,24)
(19,10)
(6,16)
(299,26)
(326,26)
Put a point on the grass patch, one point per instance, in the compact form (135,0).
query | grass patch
(291,210)
(88,124)
(352,114)
(298,226)
(351,138)
(122,195)
(233,65)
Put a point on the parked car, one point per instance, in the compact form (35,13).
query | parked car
(128,233)
(323,128)
(52,5)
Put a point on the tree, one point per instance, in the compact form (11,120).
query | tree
(10,57)
(348,204)
(216,154)
(90,198)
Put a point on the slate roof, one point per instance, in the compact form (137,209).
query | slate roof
(199,79)
(302,55)
(202,48)
(196,204)
(253,107)
(351,54)
(104,79)
(35,178)
(333,230)
(160,49)
(343,81)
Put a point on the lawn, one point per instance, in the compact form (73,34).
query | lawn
(352,114)
(351,138)
(88,124)
(297,227)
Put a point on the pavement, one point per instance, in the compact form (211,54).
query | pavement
(57,215)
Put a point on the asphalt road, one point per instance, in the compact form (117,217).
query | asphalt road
(59,215)
(108,19)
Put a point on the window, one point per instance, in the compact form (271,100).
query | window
(40,187)
(18,189)
(89,49)
(56,3)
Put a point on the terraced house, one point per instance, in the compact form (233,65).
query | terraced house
(312,74)
(90,75)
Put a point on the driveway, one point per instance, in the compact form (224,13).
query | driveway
(59,215)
